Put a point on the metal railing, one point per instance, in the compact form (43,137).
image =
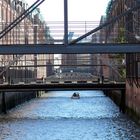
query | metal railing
(27,69)
(53,33)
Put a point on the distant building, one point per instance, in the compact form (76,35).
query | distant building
(100,62)
(105,69)
(95,58)
(69,62)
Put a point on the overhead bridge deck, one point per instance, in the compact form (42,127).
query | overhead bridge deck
(83,48)
(60,86)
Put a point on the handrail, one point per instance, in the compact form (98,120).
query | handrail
(10,63)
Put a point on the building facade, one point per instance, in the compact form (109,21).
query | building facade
(127,30)
(31,30)
(105,68)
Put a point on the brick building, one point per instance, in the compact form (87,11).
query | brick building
(31,30)
(104,58)
(127,30)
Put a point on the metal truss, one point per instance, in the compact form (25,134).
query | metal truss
(20,18)
(113,20)
(72,47)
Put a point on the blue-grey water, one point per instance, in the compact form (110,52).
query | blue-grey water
(55,116)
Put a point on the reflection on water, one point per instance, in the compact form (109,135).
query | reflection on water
(55,116)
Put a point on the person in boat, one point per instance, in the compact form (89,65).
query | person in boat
(75,95)
(78,95)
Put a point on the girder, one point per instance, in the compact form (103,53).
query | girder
(84,48)
(78,65)
(66,86)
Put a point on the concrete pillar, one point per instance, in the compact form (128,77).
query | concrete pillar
(122,102)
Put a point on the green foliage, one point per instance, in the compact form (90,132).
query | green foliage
(121,36)
(109,7)
(122,72)
(121,68)
(120,39)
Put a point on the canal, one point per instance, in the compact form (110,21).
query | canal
(55,116)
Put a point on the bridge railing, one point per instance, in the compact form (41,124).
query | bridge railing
(85,67)
(52,32)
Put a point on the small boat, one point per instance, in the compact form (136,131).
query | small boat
(75,95)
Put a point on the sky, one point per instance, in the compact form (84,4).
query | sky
(78,10)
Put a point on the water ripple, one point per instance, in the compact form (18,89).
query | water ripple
(55,116)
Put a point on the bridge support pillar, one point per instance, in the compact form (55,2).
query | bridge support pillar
(122,102)
(4,108)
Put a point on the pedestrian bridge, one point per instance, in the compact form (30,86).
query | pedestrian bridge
(61,86)
(65,81)
(29,62)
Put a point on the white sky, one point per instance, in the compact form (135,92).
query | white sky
(79,10)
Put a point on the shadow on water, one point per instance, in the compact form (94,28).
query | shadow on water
(88,93)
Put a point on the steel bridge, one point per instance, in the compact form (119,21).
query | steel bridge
(72,46)
(21,54)
(60,86)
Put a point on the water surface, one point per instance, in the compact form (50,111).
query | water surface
(55,116)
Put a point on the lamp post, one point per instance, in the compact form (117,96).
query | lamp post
(35,55)
(66,22)
(3,26)
(60,72)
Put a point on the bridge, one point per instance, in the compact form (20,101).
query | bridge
(84,48)
(21,71)
(63,81)
(69,54)
(60,86)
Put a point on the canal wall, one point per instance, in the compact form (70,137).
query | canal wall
(12,99)
(118,96)
(115,95)
(133,100)
(130,102)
